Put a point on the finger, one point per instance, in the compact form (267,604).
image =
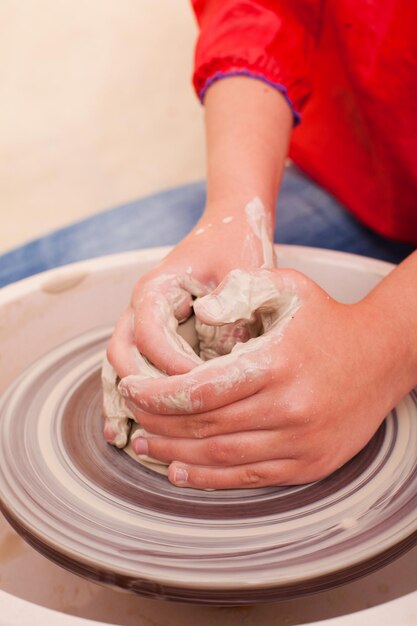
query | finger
(213,384)
(156,331)
(250,476)
(125,358)
(247,414)
(116,413)
(116,430)
(223,450)
(121,350)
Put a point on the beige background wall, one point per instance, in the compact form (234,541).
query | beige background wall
(96,108)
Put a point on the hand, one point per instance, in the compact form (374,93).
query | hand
(163,297)
(146,341)
(289,407)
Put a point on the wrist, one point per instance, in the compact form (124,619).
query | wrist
(248,127)
(392,351)
(396,296)
(243,212)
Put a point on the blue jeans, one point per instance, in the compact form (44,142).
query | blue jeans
(306,215)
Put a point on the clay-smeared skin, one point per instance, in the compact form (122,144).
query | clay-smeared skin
(163,300)
(258,308)
(91,508)
(163,297)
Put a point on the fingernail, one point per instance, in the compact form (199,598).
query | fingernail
(109,433)
(180,475)
(140,446)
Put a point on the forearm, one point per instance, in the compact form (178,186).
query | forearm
(248,128)
(396,297)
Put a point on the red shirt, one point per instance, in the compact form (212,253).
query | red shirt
(351,69)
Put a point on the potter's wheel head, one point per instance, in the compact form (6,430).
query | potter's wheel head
(94,510)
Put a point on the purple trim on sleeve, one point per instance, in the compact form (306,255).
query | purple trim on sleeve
(219,75)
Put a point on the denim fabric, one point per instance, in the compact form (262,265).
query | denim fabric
(306,215)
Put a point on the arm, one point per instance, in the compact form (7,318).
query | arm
(270,42)
(396,298)
(248,126)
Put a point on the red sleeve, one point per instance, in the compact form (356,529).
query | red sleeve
(272,40)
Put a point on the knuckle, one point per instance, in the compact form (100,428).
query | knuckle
(296,446)
(112,347)
(252,476)
(299,412)
(142,339)
(315,470)
(201,428)
(197,396)
(219,453)
(295,277)
(110,350)
(142,287)
(201,479)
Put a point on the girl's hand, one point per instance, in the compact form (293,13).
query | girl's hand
(223,240)
(288,407)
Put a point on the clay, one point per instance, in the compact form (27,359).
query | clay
(261,227)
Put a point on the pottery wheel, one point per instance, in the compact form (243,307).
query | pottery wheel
(94,510)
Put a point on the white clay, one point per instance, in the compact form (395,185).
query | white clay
(258,220)
(117,414)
